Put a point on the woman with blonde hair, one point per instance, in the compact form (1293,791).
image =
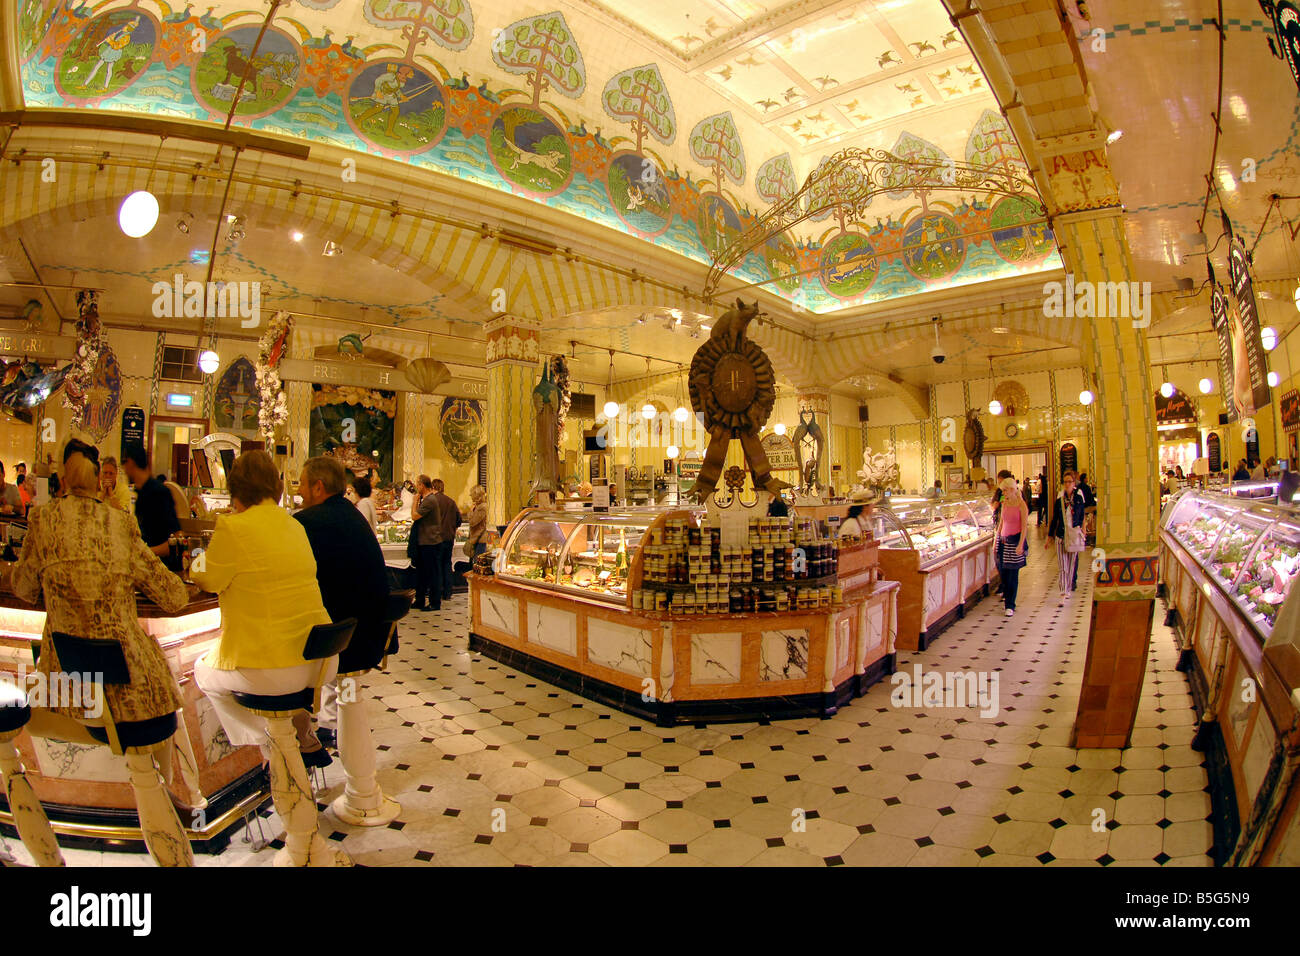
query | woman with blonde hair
(86,560)
(1013,521)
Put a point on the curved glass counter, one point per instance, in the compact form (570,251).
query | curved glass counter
(1249,549)
(932,527)
(586,554)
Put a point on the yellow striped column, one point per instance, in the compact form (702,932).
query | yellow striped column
(512,372)
(1090,228)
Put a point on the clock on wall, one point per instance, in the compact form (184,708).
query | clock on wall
(1012,430)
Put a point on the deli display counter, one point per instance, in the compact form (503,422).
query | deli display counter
(940,551)
(680,616)
(1228,570)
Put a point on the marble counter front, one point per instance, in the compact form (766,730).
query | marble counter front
(85,788)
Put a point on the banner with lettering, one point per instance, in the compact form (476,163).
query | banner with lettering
(1250,361)
(1219,318)
(1290,409)
(1177,409)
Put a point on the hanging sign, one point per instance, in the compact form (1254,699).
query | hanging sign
(1250,361)
(1219,317)
(781,454)
(1214,451)
(1286,27)
(132,427)
(1290,408)
(1069,458)
(1177,409)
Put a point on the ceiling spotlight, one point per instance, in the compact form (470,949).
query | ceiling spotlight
(138,214)
(673,451)
(183,222)
(995,407)
(681,413)
(648,411)
(1167,389)
(1268,336)
(1206,386)
(209,361)
(1086,397)
(296,235)
(779,428)
(332,249)
(611,409)
(1273,379)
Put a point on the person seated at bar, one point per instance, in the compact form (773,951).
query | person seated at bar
(349,563)
(86,561)
(154,508)
(259,564)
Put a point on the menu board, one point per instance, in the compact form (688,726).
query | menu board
(1250,361)
(1069,458)
(1214,451)
(132,427)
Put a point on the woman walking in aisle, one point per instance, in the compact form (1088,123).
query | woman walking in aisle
(1013,522)
(1066,527)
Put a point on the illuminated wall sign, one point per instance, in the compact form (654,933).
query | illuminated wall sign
(179,400)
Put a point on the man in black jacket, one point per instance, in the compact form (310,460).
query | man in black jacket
(449,520)
(349,568)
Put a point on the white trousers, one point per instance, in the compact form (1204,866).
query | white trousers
(243,727)
(1067,560)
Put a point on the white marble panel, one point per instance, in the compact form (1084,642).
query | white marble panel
(500,612)
(784,655)
(843,640)
(619,647)
(875,628)
(553,628)
(715,658)
(60,758)
(952,584)
(1259,752)
(215,742)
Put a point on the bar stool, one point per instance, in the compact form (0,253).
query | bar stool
(363,803)
(140,742)
(290,788)
(29,816)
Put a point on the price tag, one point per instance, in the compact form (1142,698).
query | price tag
(604,575)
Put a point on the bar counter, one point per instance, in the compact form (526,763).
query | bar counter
(85,789)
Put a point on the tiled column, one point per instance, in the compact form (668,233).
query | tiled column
(1090,228)
(512,438)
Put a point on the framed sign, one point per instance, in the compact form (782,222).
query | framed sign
(1214,451)
(132,427)
(1290,409)
(1069,458)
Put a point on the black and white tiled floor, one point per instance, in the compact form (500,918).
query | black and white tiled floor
(495,768)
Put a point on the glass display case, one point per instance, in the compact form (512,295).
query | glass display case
(579,553)
(1249,549)
(931,527)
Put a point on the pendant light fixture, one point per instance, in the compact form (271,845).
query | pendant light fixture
(1206,386)
(138,213)
(611,406)
(681,413)
(995,407)
(779,428)
(209,361)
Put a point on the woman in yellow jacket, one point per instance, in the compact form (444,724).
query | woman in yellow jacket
(260,564)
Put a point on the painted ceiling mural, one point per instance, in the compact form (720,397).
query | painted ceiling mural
(515,107)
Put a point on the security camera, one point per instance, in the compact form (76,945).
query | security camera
(938,355)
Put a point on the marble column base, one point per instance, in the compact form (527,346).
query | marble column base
(363,803)
(29,816)
(161,827)
(292,795)
(189,765)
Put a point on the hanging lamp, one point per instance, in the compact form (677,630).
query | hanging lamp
(611,406)
(995,407)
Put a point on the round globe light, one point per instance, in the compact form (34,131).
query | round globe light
(1167,389)
(681,413)
(611,409)
(1268,337)
(648,411)
(209,361)
(1273,379)
(138,214)
(779,428)
(1206,386)
(1086,397)
(995,407)
(673,451)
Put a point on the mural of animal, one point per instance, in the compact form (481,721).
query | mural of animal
(243,69)
(549,161)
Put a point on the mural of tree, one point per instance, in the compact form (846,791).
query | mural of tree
(449,23)
(824,192)
(991,144)
(542,48)
(640,97)
(715,142)
(910,147)
(775,180)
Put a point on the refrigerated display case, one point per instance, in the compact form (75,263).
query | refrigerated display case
(940,550)
(663,613)
(1228,570)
